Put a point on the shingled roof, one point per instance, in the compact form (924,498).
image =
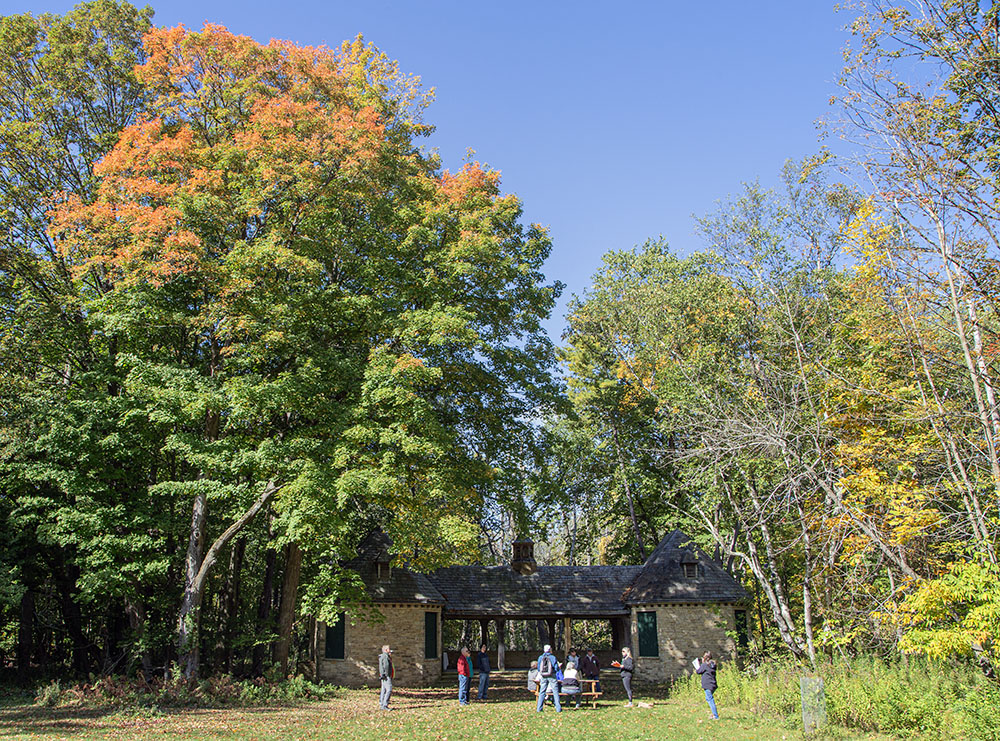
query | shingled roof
(552,591)
(549,592)
(401,585)
(662,579)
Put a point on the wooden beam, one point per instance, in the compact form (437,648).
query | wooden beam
(501,643)
(568,633)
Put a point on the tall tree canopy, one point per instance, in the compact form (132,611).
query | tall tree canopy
(292,309)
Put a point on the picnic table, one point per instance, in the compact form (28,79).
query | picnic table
(588,692)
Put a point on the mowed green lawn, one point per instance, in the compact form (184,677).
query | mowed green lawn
(417,714)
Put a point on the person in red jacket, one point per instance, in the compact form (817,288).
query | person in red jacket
(464,667)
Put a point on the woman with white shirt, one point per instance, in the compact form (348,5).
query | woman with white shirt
(571,682)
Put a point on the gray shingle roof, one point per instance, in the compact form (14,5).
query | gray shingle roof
(401,586)
(662,577)
(552,591)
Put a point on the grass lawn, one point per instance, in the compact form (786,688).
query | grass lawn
(417,714)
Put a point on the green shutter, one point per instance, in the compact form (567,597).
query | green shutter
(742,629)
(335,638)
(648,643)
(430,635)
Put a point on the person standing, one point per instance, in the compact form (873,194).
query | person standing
(626,666)
(590,666)
(385,673)
(548,667)
(707,669)
(464,675)
(483,664)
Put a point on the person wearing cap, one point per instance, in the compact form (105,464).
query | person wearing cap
(385,673)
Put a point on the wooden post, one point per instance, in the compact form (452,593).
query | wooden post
(501,639)
(551,624)
(568,633)
(616,634)
(314,645)
(484,629)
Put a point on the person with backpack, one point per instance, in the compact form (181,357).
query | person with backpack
(548,668)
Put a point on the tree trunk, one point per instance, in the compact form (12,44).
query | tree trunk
(66,576)
(264,611)
(230,608)
(807,616)
(628,494)
(25,632)
(136,612)
(188,620)
(286,615)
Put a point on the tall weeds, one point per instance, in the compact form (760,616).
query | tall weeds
(916,698)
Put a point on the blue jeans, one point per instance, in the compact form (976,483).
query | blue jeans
(545,685)
(484,684)
(385,694)
(711,703)
(463,689)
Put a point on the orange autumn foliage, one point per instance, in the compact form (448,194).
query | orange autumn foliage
(236,133)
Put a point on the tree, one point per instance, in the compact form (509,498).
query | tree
(67,90)
(305,307)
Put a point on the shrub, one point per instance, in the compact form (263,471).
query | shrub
(49,695)
(176,691)
(916,698)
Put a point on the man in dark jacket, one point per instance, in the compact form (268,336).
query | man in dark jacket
(590,667)
(483,664)
(385,673)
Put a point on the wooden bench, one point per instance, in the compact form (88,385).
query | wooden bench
(590,695)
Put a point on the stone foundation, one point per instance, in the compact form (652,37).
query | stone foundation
(402,629)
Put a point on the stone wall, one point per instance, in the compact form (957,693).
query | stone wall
(402,629)
(684,631)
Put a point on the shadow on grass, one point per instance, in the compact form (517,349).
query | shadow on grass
(76,721)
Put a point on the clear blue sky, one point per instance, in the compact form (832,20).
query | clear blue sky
(614,122)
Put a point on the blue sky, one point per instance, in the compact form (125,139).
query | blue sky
(614,122)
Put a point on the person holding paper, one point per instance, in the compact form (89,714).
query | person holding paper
(706,668)
(626,666)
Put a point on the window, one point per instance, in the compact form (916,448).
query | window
(690,570)
(648,642)
(742,629)
(335,638)
(383,571)
(430,635)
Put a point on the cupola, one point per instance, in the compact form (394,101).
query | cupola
(523,561)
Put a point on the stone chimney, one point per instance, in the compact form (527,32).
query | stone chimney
(523,561)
